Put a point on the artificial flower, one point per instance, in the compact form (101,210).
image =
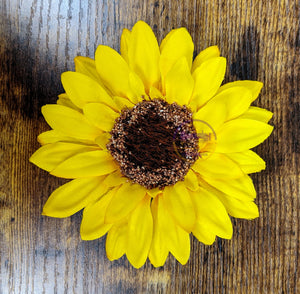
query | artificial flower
(156,148)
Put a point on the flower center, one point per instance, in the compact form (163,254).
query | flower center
(155,143)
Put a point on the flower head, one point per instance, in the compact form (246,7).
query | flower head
(156,148)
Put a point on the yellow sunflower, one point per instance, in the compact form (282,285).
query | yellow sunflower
(156,148)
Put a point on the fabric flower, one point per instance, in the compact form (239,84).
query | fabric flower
(156,148)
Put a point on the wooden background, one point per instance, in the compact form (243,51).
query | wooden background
(38,41)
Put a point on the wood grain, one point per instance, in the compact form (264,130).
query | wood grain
(38,41)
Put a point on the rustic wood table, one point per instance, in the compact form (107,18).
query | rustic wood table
(38,41)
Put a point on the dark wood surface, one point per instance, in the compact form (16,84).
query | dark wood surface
(38,41)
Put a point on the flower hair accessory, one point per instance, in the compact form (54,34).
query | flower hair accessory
(156,148)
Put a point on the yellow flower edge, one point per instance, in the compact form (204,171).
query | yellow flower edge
(149,223)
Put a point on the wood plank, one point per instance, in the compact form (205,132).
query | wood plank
(39,39)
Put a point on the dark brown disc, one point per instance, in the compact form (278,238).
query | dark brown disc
(155,143)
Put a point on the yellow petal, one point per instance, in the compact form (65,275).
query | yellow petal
(218,166)
(115,179)
(69,122)
(49,137)
(241,134)
(54,136)
(158,251)
(210,52)
(214,113)
(178,202)
(178,242)
(102,140)
(82,89)
(179,83)
(140,227)
(116,241)
(257,113)
(167,236)
(180,245)
(201,232)
(240,208)
(241,189)
(236,100)
(191,181)
(64,100)
(122,102)
(126,200)
(113,70)
(208,78)
(88,164)
(100,115)
(125,39)
(87,66)
(73,196)
(211,213)
(93,225)
(154,192)
(137,87)
(117,76)
(253,86)
(155,93)
(143,54)
(49,156)
(248,161)
(176,45)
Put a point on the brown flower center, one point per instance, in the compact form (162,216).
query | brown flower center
(155,143)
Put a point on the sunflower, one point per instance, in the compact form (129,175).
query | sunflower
(156,148)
